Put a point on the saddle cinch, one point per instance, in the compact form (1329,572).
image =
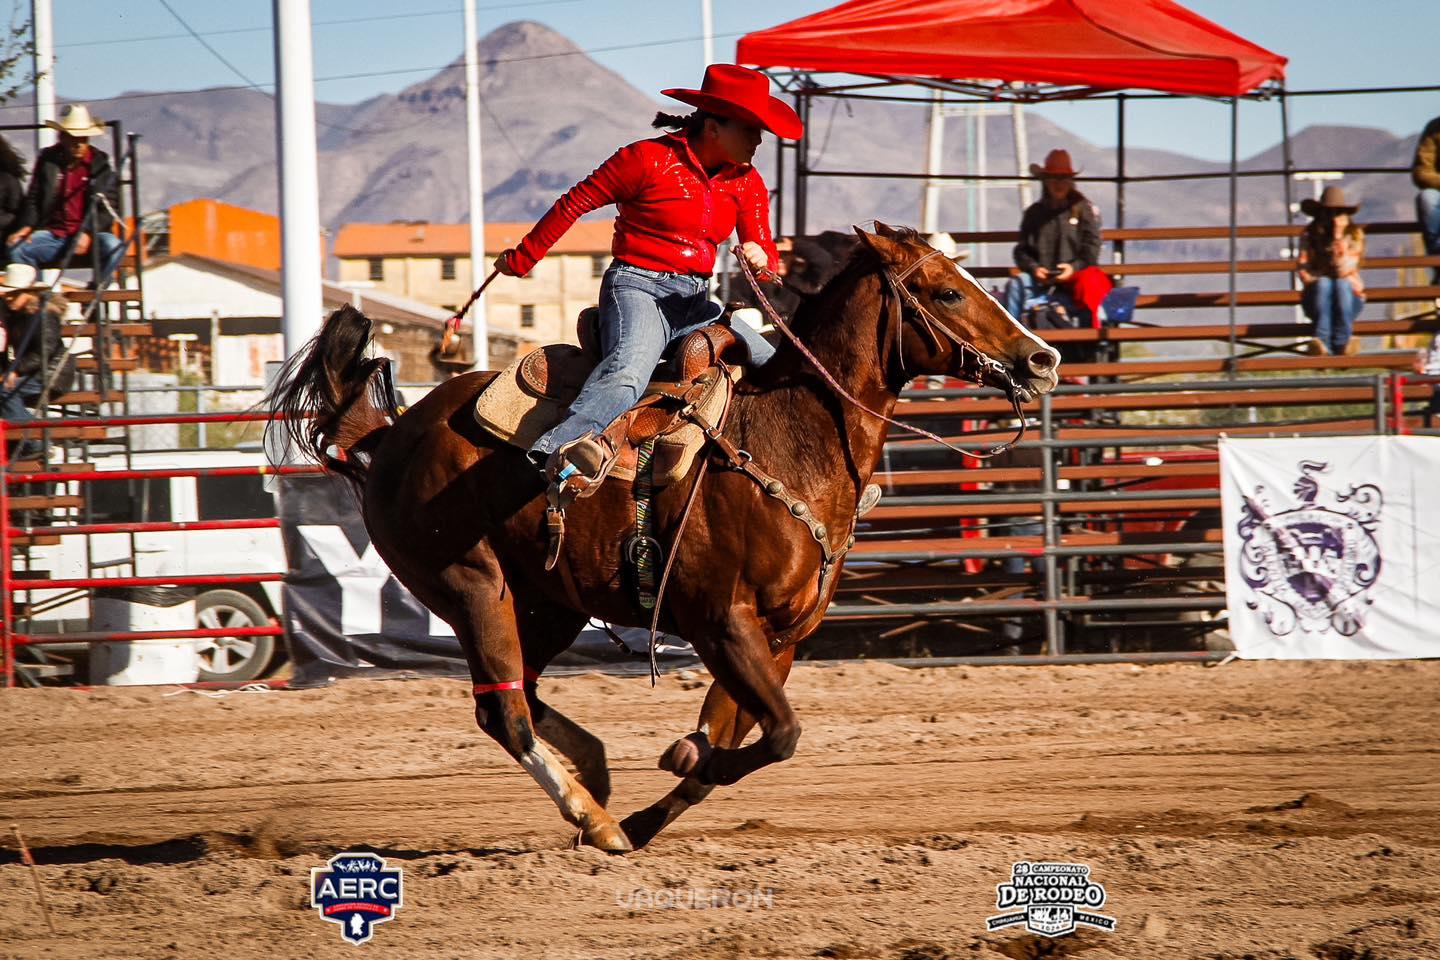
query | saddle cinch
(532,394)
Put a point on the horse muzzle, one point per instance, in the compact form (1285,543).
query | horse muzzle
(1034,373)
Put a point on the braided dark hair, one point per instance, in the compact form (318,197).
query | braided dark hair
(690,125)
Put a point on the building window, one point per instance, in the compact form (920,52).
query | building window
(527,314)
(598,263)
(377,268)
(447,268)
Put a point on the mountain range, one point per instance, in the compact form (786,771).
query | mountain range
(551,114)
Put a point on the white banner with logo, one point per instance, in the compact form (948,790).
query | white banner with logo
(1332,546)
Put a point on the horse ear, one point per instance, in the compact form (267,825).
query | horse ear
(881,245)
(884,229)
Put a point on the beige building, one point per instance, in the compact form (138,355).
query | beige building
(430,262)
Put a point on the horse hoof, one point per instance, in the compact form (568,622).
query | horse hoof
(608,837)
(686,755)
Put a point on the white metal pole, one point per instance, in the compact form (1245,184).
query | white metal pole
(934,154)
(478,262)
(707,30)
(43,32)
(982,188)
(301,269)
(1022,152)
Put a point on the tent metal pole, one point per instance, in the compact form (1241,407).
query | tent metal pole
(1234,225)
(802,149)
(1287,161)
(779,187)
(1287,164)
(1120,175)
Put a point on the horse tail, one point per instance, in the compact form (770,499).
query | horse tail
(331,402)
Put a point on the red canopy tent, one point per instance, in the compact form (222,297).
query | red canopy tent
(1099,44)
(1021,51)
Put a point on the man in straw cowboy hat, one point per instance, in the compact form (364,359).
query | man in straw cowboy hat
(677,196)
(32,330)
(1059,243)
(1328,264)
(58,215)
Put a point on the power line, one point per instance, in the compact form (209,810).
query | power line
(318,23)
(206,44)
(386,73)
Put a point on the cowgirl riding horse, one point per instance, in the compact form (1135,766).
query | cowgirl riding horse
(678,197)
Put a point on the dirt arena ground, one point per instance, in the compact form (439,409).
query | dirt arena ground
(1256,810)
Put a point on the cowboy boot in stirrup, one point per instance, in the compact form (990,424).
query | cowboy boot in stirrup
(577,468)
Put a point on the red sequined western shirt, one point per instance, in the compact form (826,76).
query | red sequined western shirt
(672,215)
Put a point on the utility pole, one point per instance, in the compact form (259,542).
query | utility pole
(301,266)
(477,191)
(707,30)
(43,33)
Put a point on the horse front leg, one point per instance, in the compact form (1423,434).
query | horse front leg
(739,658)
(721,722)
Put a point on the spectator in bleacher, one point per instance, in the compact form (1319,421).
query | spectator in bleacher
(63,212)
(1059,245)
(12,187)
(1427,364)
(1331,247)
(1425,172)
(35,348)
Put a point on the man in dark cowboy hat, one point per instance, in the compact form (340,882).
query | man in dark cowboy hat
(1059,243)
(59,213)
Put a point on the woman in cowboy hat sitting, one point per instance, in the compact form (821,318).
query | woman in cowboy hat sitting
(58,216)
(678,196)
(1059,243)
(1329,266)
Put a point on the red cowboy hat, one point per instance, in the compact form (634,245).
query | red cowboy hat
(741,94)
(1057,166)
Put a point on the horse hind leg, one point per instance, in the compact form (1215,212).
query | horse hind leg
(505,715)
(544,633)
(490,634)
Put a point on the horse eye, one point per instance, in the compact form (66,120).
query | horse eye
(949,295)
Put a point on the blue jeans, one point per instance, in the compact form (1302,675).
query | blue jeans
(15,409)
(1427,211)
(43,248)
(1023,287)
(642,312)
(1333,305)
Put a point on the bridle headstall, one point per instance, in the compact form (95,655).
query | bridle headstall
(904,299)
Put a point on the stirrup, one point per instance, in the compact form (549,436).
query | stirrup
(577,468)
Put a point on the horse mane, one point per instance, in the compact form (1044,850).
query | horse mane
(860,262)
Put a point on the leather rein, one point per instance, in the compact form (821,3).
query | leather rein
(904,299)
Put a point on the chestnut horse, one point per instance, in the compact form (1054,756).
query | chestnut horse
(459,516)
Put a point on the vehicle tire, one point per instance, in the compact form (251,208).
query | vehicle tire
(232,658)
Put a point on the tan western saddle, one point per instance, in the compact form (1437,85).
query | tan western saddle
(532,394)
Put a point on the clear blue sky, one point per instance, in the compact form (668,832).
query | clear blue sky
(368,47)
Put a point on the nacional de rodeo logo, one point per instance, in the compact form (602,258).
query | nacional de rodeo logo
(1053,898)
(1311,566)
(357,891)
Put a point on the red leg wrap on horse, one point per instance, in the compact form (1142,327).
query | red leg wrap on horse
(480,688)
